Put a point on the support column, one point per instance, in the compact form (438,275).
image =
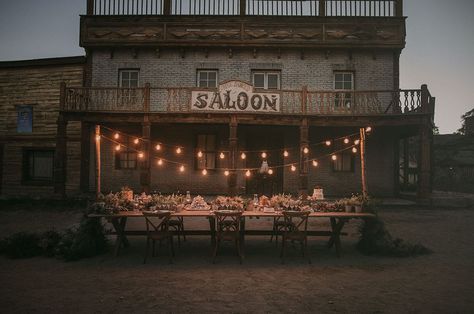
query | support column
(304,143)
(98,172)
(363,171)
(85,155)
(145,175)
(424,179)
(60,158)
(396,165)
(406,161)
(233,142)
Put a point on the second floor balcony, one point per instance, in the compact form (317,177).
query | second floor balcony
(192,100)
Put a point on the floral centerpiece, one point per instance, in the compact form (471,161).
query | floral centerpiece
(198,203)
(230,203)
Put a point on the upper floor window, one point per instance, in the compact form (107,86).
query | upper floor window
(38,165)
(266,79)
(126,158)
(128,78)
(343,81)
(206,151)
(24,119)
(207,78)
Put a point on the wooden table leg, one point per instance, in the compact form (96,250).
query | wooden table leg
(212,227)
(242,231)
(119,224)
(335,240)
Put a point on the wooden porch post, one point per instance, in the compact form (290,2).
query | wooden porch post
(399,8)
(90,7)
(60,158)
(426,139)
(362,162)
(396,166)
(145,164)
(167,7)
(243,7)
(322,7)
(85,155)
(406,161)
(304,143)
(98,174)
(233,140)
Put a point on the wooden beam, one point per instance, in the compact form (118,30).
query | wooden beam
(85,156)
(396,166)
(425,164)
(97,161)
(243,7)
(363,162)
(166,7)
(399,8)
(145,163)
(233,142)
(60,158)
(406,161)
(90,7)
(322,7)
(304,144)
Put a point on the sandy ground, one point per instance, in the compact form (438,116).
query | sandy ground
(438,283)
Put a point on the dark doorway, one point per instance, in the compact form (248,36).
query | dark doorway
(258,140)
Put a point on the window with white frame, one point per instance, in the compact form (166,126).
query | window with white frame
(343,81)
(206,150)
(207,78)
(266,79)
(128,78)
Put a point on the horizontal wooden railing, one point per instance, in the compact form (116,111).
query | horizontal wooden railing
(366,8)
(297,102)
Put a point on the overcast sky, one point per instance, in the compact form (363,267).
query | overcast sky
(439,52)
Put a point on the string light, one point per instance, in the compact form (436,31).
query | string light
(328,143)
(141,155)
(270,171)
(354,150)
(247,173)
(136,141)
(346,141)
(178,150)
(315,163)
(264,155)
(199,154)
(116,136)
(368,129)
(356,142)
(293,168)
(285,153)
(160,162)
(181,168)
(222,156)
(306,150)
(243,156)
(158,147)
(226,173)
(117,148)
(97,138)
(334,157)
(204,172)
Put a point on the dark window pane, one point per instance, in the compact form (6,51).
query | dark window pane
(212,75)
(259,80)
(348,77)
(273,81)
(348,85)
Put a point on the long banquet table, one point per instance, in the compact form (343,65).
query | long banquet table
(337,222)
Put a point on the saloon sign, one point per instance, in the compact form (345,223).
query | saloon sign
(235,96)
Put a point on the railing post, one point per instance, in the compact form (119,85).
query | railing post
(166,7)
(322,7)
(146,100)
(398,8)
(424,99)
(243,7)
(90,7)
(304,98)
(62,96)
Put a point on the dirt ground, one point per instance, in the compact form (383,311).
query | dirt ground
(438,283)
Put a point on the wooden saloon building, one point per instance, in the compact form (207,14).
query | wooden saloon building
(180,95)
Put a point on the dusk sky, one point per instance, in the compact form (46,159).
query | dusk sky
(439,52)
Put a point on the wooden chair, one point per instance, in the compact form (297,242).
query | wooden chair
(157,229)
(228,229)
(178,225)
(295,230)
(279,225)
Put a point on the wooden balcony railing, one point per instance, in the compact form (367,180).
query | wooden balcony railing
(292,102)
(366,8)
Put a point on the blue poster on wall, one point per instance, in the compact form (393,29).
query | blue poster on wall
(24,119)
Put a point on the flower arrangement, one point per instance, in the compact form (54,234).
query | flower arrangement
(280,200)
(226,202)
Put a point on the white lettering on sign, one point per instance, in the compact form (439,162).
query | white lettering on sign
(235,96)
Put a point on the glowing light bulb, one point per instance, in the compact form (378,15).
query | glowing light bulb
(293,168)
(243,156)
(178,150)
(136,141)
(270,171)
(141,155)
(158,147)
(160,162)
(247,173)
(264,155)
(346,141)
(199,154)
(117,148)
(306,150)
(354,150)
(356,142)
(334,157)
(97,138)
(368,129)
(221,156)
(286,154)
(315,163)
(116,136)
(328,143)
(226,173)
(204,172)
(181,168)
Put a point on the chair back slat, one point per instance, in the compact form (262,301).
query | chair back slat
(157,221)
(296,222)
